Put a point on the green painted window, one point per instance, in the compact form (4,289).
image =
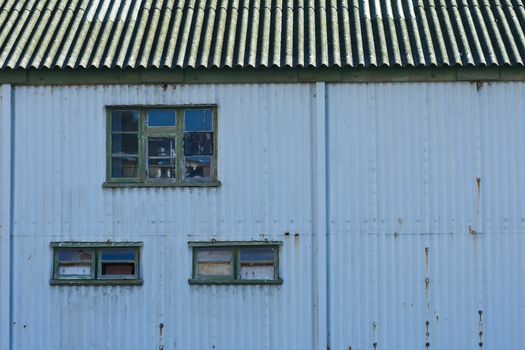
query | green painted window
(235,263)
(161,146)
(92,263)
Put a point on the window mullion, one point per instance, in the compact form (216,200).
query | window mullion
(142,147)
(179,145)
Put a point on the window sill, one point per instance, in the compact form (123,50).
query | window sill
(80,282)
(159,184)
(193,281)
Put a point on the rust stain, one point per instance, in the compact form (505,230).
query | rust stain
(480,329)
(478,182)
(479,85)
(161,326)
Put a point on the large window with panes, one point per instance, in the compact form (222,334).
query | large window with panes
(161,146)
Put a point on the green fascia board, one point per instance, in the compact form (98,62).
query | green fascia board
(93,76)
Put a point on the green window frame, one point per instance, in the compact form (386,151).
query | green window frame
(237,250)
(108,261)
(178,153)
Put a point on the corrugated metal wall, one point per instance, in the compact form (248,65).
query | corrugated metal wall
(265,169)
(427,216)
(417,245)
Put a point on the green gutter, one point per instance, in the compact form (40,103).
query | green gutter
(94,76)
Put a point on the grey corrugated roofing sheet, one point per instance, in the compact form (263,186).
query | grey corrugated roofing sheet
(260,33)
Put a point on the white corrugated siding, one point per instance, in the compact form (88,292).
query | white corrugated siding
(411,237)
(265,169)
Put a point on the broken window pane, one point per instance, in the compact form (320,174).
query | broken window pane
(124,143)
(257,263)
(74,262)
(161,158)
(117,262)
(198,143)
(198,168)
(124,121)
(214,262)
(124,167)
(197,120)
(161,118)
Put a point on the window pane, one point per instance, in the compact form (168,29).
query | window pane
(214,254)
(124,167)
(198,168)
(161,118)
(118,254)
(161,147)
(124,121)
(117,261)
(74,262)
(125,143)
(118,269)
(197,120)
(198,143)
(214,262)
(257,254)
(257,264)
(161,158)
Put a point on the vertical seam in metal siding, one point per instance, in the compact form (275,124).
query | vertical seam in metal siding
(320,213)
(7,218)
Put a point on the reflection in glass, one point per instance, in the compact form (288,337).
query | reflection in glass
(197,120)
(74,262)
(214,262)
(124,121)
(117,262)
(125,143)
(162,118)
(198,168)
(257,264)
(124,167)
(198,143)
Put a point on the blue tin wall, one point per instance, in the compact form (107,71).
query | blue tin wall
(424,213)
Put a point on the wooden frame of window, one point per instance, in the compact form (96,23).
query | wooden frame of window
(144,133)
(96,277)
(235,247)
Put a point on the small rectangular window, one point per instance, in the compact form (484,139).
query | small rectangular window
(96,263)
(161,146)
(235,263)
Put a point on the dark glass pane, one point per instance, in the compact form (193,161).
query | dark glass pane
(161,118)
(257,254)
(109,269)
(124,167)
(198,168)
(118,254)
(161,147)
(197,120)
(125,143)
(198,143)
(124,121)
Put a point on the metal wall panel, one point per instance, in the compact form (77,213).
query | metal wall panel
(265,168)
(426,217)
(426,210)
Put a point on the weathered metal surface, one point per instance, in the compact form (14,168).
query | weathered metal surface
(265,172)
(427,216)
(243,33)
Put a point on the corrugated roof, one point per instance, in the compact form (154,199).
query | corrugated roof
(260,33)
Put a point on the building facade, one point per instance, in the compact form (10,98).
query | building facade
(390,197)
